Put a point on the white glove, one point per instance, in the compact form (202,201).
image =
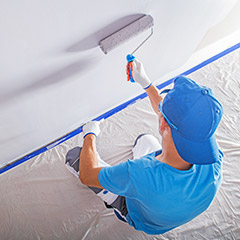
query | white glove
(91,127)
(139,74)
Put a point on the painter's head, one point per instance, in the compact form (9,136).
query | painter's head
(192,113)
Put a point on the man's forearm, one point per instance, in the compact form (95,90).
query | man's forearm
(154,97)
(88,157)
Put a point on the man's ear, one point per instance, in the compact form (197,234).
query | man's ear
(164,125)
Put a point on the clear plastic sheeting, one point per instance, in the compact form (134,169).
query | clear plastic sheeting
(40,199)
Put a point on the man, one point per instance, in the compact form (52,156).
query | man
(163,186)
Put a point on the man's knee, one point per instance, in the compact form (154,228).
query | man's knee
(145,144)
(141,135)
(73,158)
(147,138)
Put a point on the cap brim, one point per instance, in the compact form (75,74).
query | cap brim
(196,152)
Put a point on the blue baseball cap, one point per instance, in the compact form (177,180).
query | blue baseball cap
(193,114)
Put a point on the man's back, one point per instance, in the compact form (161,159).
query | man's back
(160,197)
(158,194)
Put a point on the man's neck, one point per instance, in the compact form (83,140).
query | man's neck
(170,154)
(174,161)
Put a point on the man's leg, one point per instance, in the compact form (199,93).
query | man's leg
(72,164)
(145,144)
(111,200)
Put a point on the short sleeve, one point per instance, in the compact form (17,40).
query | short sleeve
(116,179)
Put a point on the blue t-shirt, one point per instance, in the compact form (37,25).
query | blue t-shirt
(158,196)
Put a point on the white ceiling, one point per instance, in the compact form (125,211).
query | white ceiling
(53,75)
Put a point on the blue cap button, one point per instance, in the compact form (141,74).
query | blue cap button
(204,91)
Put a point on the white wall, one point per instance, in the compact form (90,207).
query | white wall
(54,77)
(228,26)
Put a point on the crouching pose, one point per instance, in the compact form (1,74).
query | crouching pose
(167,184)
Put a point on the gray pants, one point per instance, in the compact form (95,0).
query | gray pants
(119,203)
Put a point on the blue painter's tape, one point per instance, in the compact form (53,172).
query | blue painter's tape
(115,110)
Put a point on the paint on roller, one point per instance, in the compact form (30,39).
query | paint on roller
(126,33)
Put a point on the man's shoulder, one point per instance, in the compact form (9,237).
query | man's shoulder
(217,166)
(147,161)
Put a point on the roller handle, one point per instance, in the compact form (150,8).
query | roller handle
(130,59)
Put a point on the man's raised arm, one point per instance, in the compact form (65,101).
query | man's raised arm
(141,78)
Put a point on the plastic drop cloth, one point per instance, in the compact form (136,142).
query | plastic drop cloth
(40,199)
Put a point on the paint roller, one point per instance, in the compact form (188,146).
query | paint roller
(126,33)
